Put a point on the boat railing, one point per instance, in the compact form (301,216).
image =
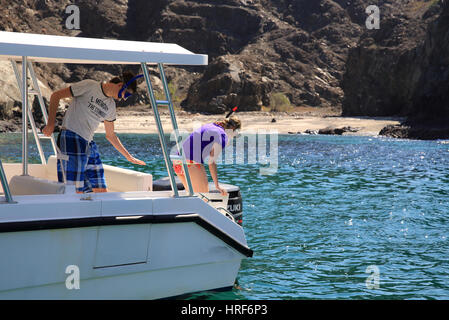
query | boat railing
(27,115)
(226,213)
(35,91)
(5,185)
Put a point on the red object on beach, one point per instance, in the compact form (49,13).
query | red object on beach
(232,111)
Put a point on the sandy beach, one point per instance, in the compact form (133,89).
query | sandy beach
(141,120)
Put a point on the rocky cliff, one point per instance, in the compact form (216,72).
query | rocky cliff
(378,78)
(403,69)
(296,48)
(256,48)
(315,53)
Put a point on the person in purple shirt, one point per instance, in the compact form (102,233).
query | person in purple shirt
(206,143)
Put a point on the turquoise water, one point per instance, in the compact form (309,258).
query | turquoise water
(336,206)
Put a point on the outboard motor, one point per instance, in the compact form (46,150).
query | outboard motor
(235,204)
(234,201)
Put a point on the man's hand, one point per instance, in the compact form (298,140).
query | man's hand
(136,161)
(115,141)
(48,130)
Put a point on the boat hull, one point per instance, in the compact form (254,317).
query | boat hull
(131,255)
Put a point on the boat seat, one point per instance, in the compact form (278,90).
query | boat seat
(29,185)
(122,180)
(117,179)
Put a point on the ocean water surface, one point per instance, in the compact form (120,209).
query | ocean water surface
(344,217)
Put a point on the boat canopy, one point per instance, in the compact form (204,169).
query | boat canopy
(30,48)
(66,49)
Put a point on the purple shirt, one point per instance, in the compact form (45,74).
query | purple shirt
(198,145)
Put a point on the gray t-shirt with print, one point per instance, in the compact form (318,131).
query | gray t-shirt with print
(89,107)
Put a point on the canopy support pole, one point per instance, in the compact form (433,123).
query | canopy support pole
(24,116)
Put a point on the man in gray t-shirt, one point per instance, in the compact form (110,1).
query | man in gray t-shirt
(90,106)
(92,102)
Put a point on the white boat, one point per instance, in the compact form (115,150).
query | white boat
(130,243)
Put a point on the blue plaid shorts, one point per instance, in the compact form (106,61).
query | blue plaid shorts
(83,168)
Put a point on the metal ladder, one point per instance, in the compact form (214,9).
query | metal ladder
(34,91)
(168,102)
(27,114)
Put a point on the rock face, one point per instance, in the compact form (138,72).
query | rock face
(297,48)
(317,53)
(337,131)
(226,84)
(256,48)
(403,69)
(384,73)
(431,95)
(417,131)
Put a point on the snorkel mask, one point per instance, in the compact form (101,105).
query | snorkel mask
(127,94)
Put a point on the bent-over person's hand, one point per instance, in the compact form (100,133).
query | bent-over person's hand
(222,191)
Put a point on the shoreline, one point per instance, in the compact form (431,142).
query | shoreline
(142,121)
